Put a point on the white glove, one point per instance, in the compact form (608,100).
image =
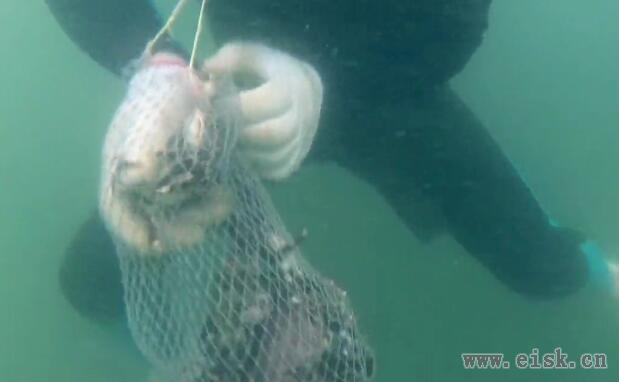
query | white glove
(280,115)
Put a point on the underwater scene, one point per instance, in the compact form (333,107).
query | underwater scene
(309,191)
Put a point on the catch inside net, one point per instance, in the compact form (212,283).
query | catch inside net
(216,289)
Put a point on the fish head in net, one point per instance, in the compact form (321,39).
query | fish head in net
(166,152)
(170,134)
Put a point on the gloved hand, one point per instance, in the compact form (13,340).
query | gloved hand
(280,114)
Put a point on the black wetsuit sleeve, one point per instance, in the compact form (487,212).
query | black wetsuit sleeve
(112,32)
(440,155)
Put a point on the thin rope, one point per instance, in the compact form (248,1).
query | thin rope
(167,27)
(199,31)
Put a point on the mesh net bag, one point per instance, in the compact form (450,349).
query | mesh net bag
(216,289)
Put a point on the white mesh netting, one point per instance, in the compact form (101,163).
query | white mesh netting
(216,289)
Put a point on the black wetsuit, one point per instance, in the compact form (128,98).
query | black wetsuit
(439,168)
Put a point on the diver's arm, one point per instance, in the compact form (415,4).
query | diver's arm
(435,163)
(112,32)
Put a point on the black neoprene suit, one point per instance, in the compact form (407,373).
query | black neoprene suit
(438,166)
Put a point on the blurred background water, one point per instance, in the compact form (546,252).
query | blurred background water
(545,82)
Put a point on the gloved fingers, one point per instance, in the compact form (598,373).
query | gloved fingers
(295,128)
(271,133)
(274,164)
(241,57)
(280,115)
(268,100)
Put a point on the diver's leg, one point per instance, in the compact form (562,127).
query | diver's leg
(434,158)
(90,274)
(112,32)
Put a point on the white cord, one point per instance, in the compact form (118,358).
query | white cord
(167,27)
(196,39)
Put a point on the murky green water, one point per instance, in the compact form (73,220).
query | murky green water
(546,84)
